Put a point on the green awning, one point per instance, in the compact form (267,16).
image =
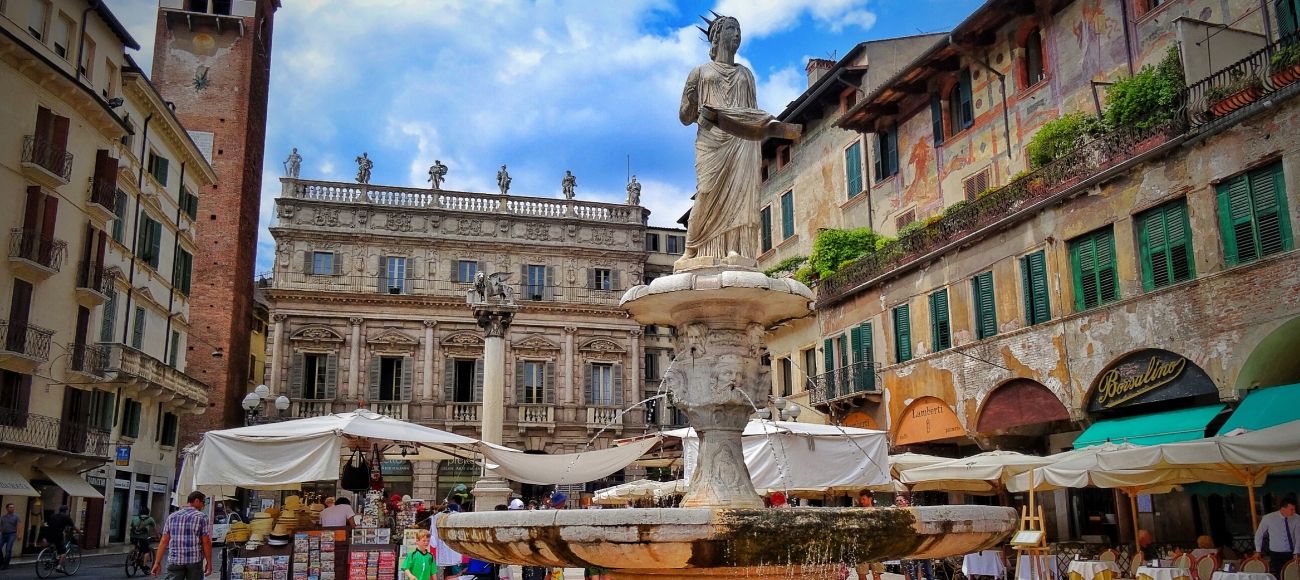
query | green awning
(1265,408)
(1151,429)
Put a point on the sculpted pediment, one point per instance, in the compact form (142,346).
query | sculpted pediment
(463,339)
(393,338)
(316,334)
(535,342)
(602,345)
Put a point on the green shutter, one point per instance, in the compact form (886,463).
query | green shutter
(137,335)
(787,215)
(1287,20)
(853,169)
(110,315)
(864,374)
(967,103)
(1033,269)
(940,324)
(1093,260)
(1165,246)
(765,219)
(878,157)
(160,171)
(828,356)
(855,336)
(936,118)
(1237,221)
(986,323)
(1268,195)
(902,334)
(892,140)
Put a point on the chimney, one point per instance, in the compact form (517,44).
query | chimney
(817,68)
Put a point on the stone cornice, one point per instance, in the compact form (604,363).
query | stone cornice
(409,300)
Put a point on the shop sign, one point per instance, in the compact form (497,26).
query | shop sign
(1148,376)
(927,419)
(97,481)
(122,483)
(123,455)
(398,467)
(860,420)
(158,488)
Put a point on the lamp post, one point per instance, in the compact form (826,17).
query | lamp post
(256,399)
(786,410)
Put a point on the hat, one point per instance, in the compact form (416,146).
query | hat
(277,540)
(516,504)
(558,498)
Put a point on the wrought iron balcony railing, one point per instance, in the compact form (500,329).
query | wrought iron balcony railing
(19,428)
(1234,88)
(94,276)
(30,245)
(48,155)
(28,340)
(90,359)
(856,379)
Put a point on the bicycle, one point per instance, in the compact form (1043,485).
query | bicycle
(139,561)
(47,561)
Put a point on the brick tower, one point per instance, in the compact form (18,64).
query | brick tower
(212,60)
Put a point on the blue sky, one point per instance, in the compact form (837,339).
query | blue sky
(541,86)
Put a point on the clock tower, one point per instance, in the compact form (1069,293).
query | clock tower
(212,63)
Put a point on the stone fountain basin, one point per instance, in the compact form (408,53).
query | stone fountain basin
(680,538)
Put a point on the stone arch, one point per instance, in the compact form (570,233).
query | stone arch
(1021,406)
(1272,360)
(926,419)
(1195,383)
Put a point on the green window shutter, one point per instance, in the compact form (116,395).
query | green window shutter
(137,335)
(408,378)
(828,355)
(449,378)
(864,375)
(1287,18)
(1165,244)
(940,324)
(855,336)
(330,389)
(1268,196)
(853,169)
(878,157)
(902,334)
(161,171)
(936,118)
(1093,260)
(787,215)
(986,323)
(967,103)
(519,382)
(892,160)
(1236,218)
(844,351)
(765,233)
(478,380)
(1033,269)
(372,380)
(110,316)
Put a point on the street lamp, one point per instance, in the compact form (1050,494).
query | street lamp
(786,410)
(254,400)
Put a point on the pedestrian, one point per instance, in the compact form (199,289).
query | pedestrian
(1277,535)
(338,515)
(56,533)
(449,560)
(419,563)
(186,542)
(9,523)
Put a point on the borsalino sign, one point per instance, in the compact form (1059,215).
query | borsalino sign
(1146,377)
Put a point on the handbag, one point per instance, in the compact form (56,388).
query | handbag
(355,476)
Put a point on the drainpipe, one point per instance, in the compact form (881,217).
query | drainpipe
(135,230)
(81,40)
(171,292)
(1006,114)
(1268,22)
(1128,35)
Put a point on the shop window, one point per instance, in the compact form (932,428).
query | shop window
(1033,271)
(961,105)
(1092,257)
(986,323)
(940,323)
(787,215)
(1254,216)
(1165,241)
(902,334)
(936,118)
(765,228)
(853,169)
(1034,67)
(322,264)
(885,162)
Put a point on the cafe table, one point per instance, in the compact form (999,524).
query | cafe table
(1092,570)
(1163,573)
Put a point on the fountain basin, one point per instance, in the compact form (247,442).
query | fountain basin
(657,541)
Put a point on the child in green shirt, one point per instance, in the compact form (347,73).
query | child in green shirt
(419,563)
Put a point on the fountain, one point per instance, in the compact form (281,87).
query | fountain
(722,307)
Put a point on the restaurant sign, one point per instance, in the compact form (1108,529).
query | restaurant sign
(1148,376)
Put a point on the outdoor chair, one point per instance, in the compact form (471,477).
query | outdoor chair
(1205,567)
(1254,565)
(1110,555)
(1183,560)
(1291,570)
(1133,564)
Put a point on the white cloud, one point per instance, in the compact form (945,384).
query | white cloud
(779,88)
(759,18)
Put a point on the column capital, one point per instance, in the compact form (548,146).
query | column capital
(494,321)
(635,333)
(570,330)
(429,323)
(356,321)
(277,317)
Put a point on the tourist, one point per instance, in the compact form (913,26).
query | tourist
(9,523)
(865,499)
(419,564)
(913,569)
(55,534)
(338,515)
(1277,535)
(1204,547)
(449,560)
(186,542)
(143,529)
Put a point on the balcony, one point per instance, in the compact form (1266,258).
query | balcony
(604,417)
(536,416)
(93,284)
(305,409)
(856,380)
(464,414)
(102,196)
(46,163)
(38,432)
(420,287)
(145,377)
(35,256)
(1244,86)
(394,409)
(25,346)
(89,360)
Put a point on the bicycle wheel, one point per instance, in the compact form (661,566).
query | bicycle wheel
(46,561)
(72,561)
(131,564)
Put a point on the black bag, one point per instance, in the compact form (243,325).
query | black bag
(356,474)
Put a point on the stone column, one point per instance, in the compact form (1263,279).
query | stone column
(277,347)
(354,357)
(426,390)
(568,395)
(636,380)
(494,319)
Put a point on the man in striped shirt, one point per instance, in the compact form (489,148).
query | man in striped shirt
(187,542)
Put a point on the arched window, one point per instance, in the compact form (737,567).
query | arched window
(1034,69)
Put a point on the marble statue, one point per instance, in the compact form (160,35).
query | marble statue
(293,164)
(568,184)
(493,287)
(633,192)
(720,99)
(437,173)
(364,165)
(503,180)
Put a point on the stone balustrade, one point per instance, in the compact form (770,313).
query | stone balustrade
(598,417)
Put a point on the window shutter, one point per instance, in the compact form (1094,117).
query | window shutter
(1288,22)
(618,385)
(586,387)
(1083,261)
(865,377)
(1236,218)
(408,377)
(1181,264)
(519,382)
(162,171)
(902,334)
(32,211)
(878,157)
(1037,307)
(936,118)
(616,284)
(985,311)
(967,104)
(1107,278)
(844,351)
(60,142)
(478,380)
(548,388)
(853,169)
(1266,195)
(893,152)
(448,380)
(295,375)
(137,338)
(787,215)
(330,390)
(337,260)
(940,322)
(828,355)
(453,271)
(550,282)
(591,278)
(372,379)
(765,225)
(110,315)
(855,335)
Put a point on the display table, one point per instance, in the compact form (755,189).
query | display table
(1092,570)
(1051,564)
(1163,573)
(986,563)
(1220,575)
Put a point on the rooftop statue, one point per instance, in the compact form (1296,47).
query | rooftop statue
(364,165)
(293,164)
(568,184)
(437,173)
(503,179)
(633,192)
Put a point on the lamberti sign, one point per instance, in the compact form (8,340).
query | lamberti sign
(1148,376)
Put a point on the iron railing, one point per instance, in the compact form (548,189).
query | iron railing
(94,276)
(103,192)
(1234,88)
(855,379)
(28,340)
(410,286)
(30,245)
(1083,162)
(39,431)
(45,154)
(91,359)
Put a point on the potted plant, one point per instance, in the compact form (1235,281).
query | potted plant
(1285,66)
(1241,89)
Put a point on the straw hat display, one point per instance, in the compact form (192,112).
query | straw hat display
(260,527)
(313,512)
(238,533)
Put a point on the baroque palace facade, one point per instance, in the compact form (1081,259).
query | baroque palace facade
(1141,287)
(367,305)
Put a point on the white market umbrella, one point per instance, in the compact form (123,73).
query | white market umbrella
(986,472)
